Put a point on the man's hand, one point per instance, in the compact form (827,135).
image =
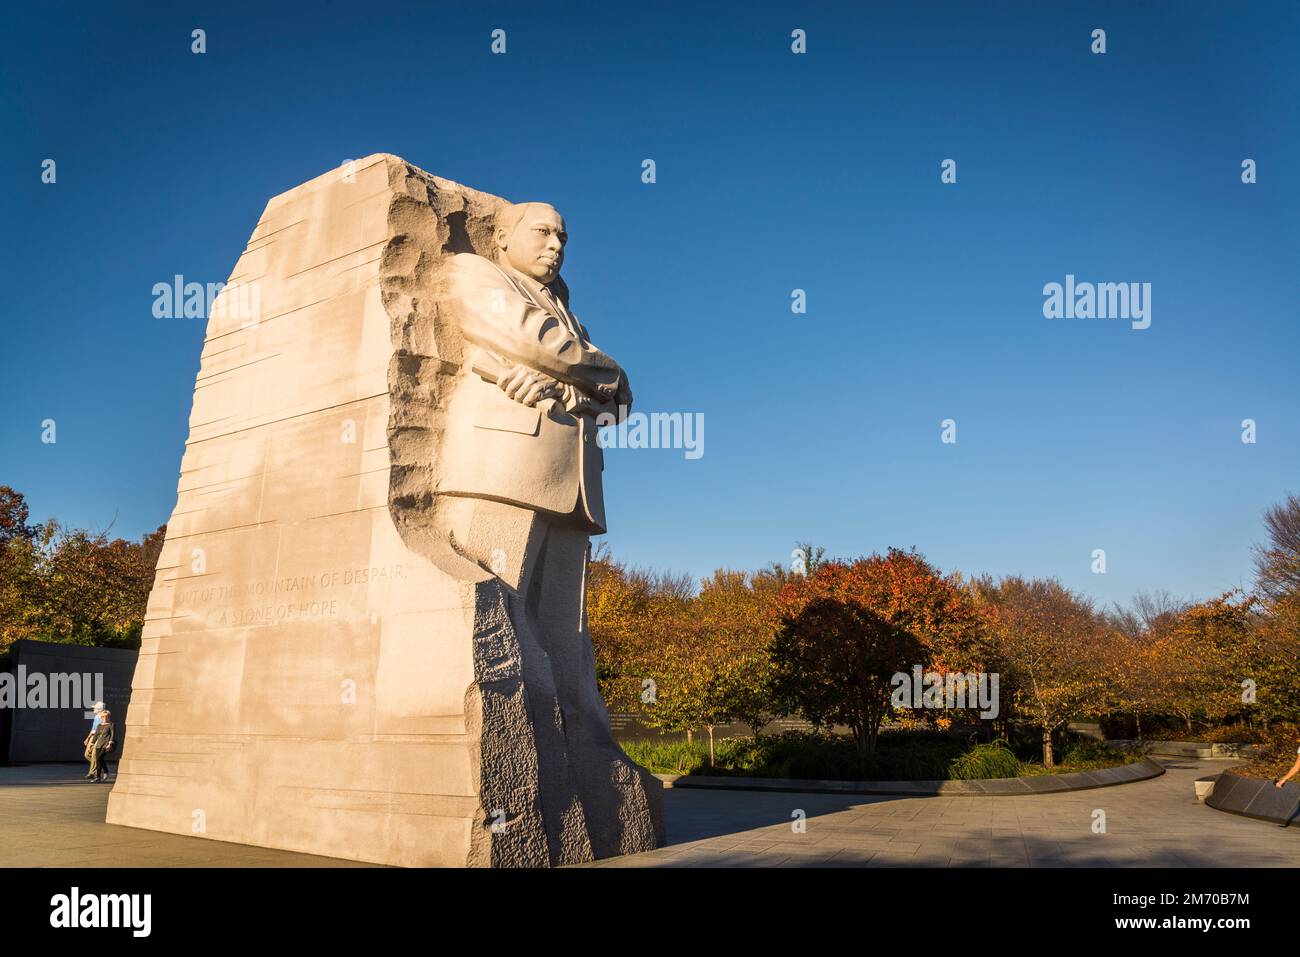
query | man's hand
(617,394)
(527,386)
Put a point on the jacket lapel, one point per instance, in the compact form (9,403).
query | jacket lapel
(550,304)
(546,301)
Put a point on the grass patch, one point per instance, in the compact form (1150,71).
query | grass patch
(1082,756)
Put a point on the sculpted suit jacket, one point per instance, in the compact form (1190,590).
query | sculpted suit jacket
(544,458)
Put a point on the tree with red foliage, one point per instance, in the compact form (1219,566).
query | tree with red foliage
(849,627)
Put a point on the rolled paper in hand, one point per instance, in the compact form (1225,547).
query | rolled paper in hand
(487,368)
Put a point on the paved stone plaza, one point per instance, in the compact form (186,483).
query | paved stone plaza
(49,817)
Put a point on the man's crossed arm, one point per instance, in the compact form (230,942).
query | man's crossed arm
(541,355)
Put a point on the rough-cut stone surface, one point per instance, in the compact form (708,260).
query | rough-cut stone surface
(324,668)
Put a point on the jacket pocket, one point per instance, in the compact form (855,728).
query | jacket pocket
(508,416)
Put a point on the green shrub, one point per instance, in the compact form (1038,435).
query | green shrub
(668,757)
(1087,753)
(991,760)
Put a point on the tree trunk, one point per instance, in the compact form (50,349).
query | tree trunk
(1048,761)
(873,714)
(690,736)
(1137,718)
(1188,719)
(860,741)
(710,727)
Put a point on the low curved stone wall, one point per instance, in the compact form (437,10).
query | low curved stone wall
(1201,750)
(1255,797)
(988,787)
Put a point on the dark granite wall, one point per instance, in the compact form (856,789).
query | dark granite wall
(55,734)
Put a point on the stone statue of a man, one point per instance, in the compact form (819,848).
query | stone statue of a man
(539,383)
(521,480)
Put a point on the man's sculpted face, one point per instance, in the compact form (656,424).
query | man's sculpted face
(536,247)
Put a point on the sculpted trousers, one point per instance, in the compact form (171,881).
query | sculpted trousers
(584,776)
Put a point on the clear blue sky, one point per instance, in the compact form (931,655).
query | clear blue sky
(775,171)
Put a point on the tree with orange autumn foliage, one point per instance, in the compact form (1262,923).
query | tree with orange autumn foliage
(712,663)
(631,614)
(1047,640)
(849,627)
(1211,650)
(734,612)
(73,585)
(1278,585)
(683,660)
(1132,649)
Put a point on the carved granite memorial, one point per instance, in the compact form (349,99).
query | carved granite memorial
(367,635)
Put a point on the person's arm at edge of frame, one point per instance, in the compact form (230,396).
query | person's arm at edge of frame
(1290,774)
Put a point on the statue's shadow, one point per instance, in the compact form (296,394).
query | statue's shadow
(694,814)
